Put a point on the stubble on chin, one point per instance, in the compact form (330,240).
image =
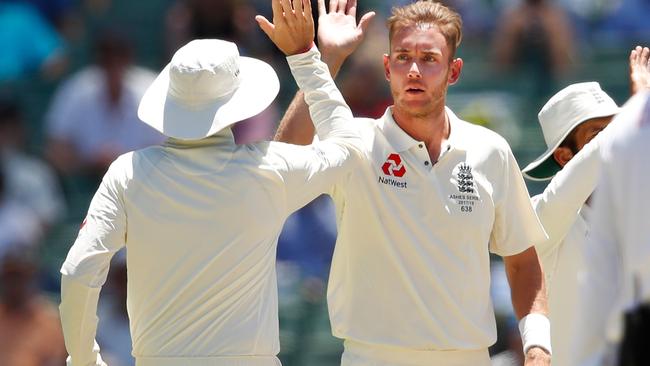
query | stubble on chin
(422,110)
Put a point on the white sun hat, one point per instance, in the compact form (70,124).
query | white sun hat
(571,106)
(206,87)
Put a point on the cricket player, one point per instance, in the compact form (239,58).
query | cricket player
(423,209)
(200,216)
(616,277)
(571,122)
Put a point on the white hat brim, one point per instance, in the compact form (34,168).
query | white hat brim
(544,168)
(259,85)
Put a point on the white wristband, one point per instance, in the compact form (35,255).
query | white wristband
(535,330)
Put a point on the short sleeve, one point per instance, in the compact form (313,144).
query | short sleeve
(516,226)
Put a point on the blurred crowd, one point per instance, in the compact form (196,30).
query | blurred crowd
(71,76)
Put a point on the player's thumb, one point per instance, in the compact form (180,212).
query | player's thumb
(266,26)
(365,21)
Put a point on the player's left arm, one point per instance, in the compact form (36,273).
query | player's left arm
(84,271)
(526,280)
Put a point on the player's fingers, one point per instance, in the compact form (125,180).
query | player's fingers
(333,5)
(365,21)
(286,8)
(351,8)
(277,11)
(306,6)
(297,7)
(341,6)
(645,55)
(267,27)
(321,8)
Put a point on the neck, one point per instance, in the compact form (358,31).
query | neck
(433,128)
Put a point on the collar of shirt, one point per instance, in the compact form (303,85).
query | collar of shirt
(224,136)
(402,141)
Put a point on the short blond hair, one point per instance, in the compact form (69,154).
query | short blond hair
(428,12)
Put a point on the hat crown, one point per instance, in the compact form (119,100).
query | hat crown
(571,106)
(203,71)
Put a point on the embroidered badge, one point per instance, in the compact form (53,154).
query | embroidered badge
(467,198)
(465,179)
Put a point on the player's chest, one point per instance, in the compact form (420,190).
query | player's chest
(456,188)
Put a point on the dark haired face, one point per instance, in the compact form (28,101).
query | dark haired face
(579,137)
(586,131)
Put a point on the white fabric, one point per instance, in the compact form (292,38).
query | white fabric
(617,275)
(200,220)
(361,354)
(80,114)
(209,361)
(535,331)
(563,212)
(411,266)
(206,87)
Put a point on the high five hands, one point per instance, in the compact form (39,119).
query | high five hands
(338,32)
(292,29)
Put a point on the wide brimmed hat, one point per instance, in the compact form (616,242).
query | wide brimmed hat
(571,106)
(206,87)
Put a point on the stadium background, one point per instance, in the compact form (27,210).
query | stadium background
(501,93)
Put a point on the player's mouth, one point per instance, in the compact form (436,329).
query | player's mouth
(414,90)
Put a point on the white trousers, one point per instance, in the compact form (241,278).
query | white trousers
(209,361)
(361,354)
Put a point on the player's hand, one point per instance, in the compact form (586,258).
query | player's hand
(338,32)
(292,29)
(537,356)
(640,69)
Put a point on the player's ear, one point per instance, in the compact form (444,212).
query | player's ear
(455,68)
(562,155)
(387,67)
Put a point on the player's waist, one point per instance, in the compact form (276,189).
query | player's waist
(391,355)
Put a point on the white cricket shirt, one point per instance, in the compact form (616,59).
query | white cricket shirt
(617,270)
(562,210)
(200,220)
(411,263)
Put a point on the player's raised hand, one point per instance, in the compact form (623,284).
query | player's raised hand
(292,29)
(640,69)
(338,32)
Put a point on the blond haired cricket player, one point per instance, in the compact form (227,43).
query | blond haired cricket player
(420,214)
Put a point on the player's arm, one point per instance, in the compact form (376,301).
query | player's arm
(338,36)
(526,281)
(600,282)
(84,271)
(308,171)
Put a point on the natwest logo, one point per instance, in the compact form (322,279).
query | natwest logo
(393,166)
